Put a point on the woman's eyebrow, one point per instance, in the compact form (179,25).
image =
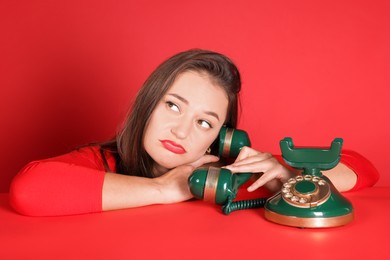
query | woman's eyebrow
(179,97)
(211,113)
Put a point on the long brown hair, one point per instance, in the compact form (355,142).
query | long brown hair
(127,146)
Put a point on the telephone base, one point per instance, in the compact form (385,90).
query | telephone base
(331,211)
(308,222)
(309,201)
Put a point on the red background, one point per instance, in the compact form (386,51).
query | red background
(312,70)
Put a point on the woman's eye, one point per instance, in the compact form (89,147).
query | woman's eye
(204,124)
(173,106)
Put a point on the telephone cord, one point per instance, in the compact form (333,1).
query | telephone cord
(231,206)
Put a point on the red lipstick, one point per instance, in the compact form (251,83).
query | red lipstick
(173,147)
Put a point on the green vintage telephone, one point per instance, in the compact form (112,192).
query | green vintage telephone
(308,200)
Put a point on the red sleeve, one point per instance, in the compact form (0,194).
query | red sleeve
(64,185)
(367,174)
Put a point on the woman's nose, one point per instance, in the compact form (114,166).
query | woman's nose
(182,128)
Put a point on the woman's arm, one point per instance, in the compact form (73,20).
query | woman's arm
(58,188)
(76,183)
(53,188)
(352,173)
(273,173)
(342,177)
(121,191)
(366,175)
(64,185)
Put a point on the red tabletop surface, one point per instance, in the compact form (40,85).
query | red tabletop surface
(195,230)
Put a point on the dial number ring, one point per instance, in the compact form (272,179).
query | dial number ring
(305,191)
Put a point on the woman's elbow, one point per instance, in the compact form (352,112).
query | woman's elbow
(25,189)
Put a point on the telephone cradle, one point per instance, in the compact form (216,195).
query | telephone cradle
(308,200)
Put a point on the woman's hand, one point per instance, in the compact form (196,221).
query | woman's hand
(273,173)
(174,183)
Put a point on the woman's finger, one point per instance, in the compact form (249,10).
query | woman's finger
(251,159)
(245,152)
(265,178)
(279,173)
(253,164)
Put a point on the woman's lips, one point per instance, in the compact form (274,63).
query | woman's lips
(173,147)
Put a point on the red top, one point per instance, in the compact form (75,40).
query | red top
(72,183)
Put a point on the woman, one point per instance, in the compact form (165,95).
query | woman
(173,123)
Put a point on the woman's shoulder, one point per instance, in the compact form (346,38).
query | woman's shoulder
(90,156)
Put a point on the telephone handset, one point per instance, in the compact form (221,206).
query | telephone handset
(308,200)
(219,185)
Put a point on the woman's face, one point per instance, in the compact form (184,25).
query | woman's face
(186,121)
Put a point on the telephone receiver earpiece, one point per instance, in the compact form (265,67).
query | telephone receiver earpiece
(231,141)
(220,185)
